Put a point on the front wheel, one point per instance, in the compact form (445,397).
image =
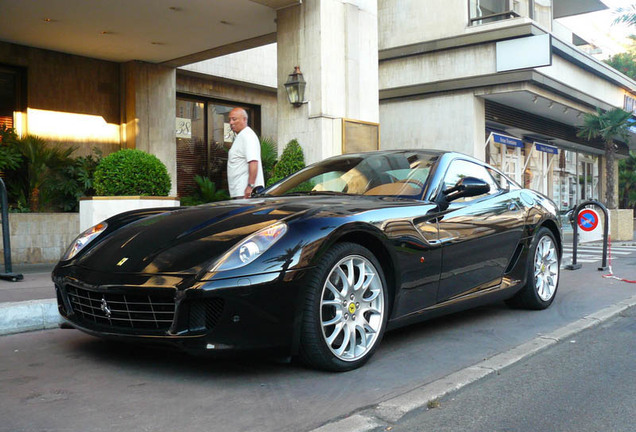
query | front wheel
(543,268)
(345,309)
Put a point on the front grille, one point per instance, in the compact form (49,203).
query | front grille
(205,314)
(144,311)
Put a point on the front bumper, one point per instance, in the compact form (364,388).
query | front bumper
(242,313)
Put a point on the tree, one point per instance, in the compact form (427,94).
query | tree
(291,161)
(625,63)
(606,126)
(627,181)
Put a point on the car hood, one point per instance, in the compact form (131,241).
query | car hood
(188,240)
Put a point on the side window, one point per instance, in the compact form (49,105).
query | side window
(504,182)
(459,169)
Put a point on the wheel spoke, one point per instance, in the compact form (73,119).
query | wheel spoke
(344,279)
(336,319)
(336,294)
(374,295)
(335,333)
(351,275)
(341,350)
(361,276)
(351,352)
(361,330)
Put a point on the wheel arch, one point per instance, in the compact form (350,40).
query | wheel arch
(382,254)
(556,232)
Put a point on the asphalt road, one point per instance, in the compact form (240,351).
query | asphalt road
(587,384)
(66,381)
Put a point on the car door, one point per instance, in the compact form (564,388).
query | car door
(478,235)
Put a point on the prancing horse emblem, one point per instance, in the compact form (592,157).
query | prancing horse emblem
(104,307)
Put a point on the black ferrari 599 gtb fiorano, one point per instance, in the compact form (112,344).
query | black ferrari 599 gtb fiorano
(319,265)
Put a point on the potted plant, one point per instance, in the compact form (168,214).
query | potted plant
(128,179)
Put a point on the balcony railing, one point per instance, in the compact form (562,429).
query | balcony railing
(494,17)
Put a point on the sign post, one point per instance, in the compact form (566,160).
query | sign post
(587,220)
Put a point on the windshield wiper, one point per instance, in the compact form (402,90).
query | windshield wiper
(333,193)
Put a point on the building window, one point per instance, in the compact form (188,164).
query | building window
(11,94)
(542,12)
(487,11)
(576,179)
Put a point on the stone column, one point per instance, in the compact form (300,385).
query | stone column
(335,43)
(148,112)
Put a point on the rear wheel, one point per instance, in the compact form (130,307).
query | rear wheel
(543,269)
(345,310)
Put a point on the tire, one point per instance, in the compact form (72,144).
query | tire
(345,311)
(543,270)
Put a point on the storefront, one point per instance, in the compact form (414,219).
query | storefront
(567,176)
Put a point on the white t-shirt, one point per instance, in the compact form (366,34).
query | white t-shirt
(246,148)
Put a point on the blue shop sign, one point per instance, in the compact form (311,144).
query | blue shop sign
(507,140)
(546,148)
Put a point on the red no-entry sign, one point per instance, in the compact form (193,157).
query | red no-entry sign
(588,220)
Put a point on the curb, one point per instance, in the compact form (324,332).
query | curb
(18,317)
(390,411)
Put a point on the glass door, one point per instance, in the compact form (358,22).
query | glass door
(192,154)
(219,142)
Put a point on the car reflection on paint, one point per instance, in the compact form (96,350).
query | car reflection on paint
(319,265)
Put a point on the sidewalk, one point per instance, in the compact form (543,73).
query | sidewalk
(28,304)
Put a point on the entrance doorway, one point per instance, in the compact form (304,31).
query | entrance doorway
(203,137)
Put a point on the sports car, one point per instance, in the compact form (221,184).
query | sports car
(319,265)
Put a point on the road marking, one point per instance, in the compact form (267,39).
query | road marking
(594,253)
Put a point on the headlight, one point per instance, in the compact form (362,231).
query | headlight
(83,239)
(251,248)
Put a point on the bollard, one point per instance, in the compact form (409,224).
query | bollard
(6,241)
(575,236)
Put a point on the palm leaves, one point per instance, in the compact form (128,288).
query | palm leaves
(626,15)
(9,156)
(41,162)
(206,192)
(269,155)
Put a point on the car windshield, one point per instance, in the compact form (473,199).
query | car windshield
(400,174)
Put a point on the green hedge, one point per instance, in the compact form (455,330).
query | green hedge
(131,172)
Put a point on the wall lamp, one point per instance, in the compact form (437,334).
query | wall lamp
(295,87)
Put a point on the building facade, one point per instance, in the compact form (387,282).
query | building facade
(493,80)
(496,79)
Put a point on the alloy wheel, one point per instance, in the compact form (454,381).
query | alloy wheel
(352,308)
(546,268)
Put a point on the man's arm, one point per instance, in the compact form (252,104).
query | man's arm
(252,171)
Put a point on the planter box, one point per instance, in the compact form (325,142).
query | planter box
(95,209)
(38,238)
(622,224)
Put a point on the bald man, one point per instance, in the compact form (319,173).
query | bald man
(244,167)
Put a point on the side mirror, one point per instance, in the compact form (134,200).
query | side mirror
(466,187)
(257,190)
